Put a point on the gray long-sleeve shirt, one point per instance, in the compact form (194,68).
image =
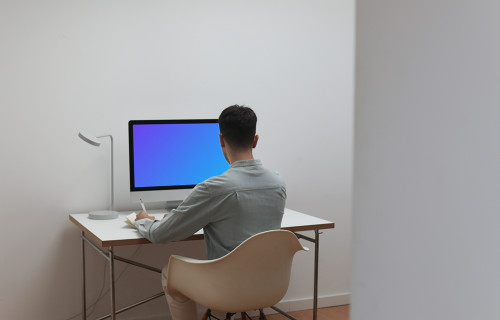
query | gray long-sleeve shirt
(244,200)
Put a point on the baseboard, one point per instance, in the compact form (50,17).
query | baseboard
(305,304)
(286,305)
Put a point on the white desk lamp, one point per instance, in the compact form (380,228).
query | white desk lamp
(102,214)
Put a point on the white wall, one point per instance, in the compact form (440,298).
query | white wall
(94,65)
(427,160)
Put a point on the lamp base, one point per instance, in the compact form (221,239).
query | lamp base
(103,215)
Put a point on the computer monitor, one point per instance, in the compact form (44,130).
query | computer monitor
(167,158)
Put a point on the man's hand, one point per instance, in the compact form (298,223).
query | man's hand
(143,215)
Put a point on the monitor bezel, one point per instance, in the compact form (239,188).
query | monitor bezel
(131,123)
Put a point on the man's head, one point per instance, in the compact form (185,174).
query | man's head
(237,125)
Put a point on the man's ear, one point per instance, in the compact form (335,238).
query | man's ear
(222,142)
(255,139)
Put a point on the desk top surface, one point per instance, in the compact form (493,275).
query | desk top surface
(117,233)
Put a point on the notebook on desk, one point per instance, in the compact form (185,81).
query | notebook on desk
(130,219)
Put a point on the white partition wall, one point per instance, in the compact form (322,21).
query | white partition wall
(91,65)
(427,160)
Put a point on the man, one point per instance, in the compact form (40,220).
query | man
(244,200)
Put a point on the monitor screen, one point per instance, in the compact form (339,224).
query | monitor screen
(173,154)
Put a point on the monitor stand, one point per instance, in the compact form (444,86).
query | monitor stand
(171,205)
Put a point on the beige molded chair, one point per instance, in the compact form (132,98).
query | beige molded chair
(255,275)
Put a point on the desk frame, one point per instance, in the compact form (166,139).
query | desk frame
(87,237)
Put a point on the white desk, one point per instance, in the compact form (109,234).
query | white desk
(100,234)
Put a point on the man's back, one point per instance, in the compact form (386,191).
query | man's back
(248,199)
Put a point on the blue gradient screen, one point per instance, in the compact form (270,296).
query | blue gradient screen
(174,154)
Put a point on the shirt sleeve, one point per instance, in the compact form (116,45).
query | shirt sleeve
(192,215)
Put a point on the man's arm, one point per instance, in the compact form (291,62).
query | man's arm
(192,214)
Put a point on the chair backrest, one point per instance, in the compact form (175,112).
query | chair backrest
(255,275)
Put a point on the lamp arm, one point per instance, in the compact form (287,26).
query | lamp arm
(112,171)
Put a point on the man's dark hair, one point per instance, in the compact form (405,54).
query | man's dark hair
(237,124)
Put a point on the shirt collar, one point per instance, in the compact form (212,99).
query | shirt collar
(246,163)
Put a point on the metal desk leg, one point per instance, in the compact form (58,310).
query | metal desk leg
(316,266)
(84,295)
(112,281)
(316,255)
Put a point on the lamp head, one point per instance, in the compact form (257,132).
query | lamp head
(89,139)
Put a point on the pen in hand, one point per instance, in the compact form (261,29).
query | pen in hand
(143,207)
(146,213)
(143,214)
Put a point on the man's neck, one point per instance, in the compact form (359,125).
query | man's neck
(240,156)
